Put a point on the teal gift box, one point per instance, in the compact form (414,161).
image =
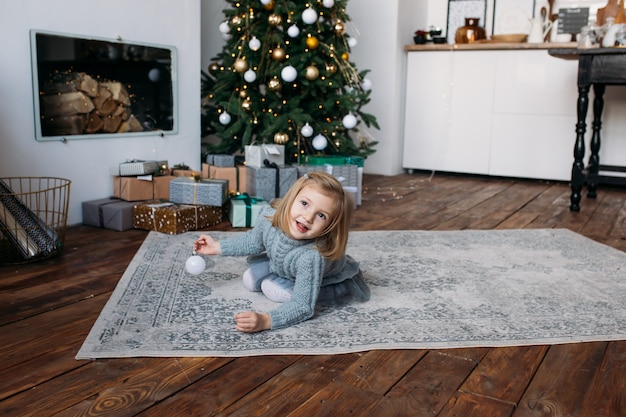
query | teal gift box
(244,210)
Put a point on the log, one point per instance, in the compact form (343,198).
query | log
(66,104)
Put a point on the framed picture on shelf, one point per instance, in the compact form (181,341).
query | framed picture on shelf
(512,16)
(459,10)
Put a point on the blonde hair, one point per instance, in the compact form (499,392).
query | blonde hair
(333,240)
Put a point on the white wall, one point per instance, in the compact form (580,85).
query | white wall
(86,162)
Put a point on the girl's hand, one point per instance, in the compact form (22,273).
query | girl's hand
(206,245)
(252,322)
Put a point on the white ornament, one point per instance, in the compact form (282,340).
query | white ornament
(226,36)
(352,42)
(349,121)
(366,84)
(195,265)
(254,44)
(328,3)
(293,31)
(224,27)
(309,16)
(249,76)
(319,142)
(288,74)
(306,130)
(224,118)
(265,2)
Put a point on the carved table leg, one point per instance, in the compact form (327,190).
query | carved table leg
(579,147)
(594,146)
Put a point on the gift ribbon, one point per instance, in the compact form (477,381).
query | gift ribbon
(269,164)
(248,201)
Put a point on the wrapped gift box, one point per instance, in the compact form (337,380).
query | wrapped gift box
(244,210)
(223,160)
(134,168)
(142,187)
(257,154)
(349,176)
(209,192)
(174,219)
(236,177)
(270,183)
(190,173)
(132,188)
(109,213)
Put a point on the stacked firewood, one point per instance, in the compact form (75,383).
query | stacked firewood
(76,103)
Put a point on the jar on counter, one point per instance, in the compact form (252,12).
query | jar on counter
(471,32)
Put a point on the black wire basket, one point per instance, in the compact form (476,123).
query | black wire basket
(33,217)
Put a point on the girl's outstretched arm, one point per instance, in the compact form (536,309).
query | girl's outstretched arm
(206,245)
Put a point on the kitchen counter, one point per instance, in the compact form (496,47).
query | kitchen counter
(487,45)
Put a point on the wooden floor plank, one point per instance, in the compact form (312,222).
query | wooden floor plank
(562,381)
(292,387)
(610,377)
(505,373)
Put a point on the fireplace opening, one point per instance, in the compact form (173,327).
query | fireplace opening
(94,88)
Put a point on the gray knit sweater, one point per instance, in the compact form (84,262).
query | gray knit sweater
(297,260)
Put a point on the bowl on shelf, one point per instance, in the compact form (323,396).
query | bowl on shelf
(509,37)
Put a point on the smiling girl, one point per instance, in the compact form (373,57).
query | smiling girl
(299,253)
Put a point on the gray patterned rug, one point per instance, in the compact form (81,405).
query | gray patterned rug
(429,290)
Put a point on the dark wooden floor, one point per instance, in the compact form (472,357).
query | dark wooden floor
(47,308)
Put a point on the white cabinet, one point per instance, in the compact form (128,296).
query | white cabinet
(493,112)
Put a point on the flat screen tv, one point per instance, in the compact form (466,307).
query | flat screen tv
(92,88)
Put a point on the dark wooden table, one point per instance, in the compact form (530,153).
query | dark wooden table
(597,67)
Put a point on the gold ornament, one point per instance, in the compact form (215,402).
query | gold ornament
(236,20)
(331,68)
(281,138)
(274,84)
(213,68)
(243,93)
(269,6)
(246,105)
(345,56)
(312,42)
(274,19)
(278,54)
(240,65)
(340,27)
(311,73)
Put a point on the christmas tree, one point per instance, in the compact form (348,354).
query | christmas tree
(284,76)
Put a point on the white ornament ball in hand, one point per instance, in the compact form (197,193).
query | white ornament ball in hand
(195,265)
(249,76)
(293,31)
(306,130)
(349,121)
(309,16)
(254,44)
(288,74)
(319,142)
(224,118)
